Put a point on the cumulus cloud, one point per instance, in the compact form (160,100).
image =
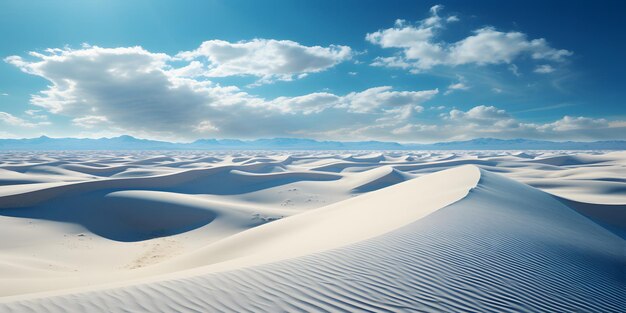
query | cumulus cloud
(267,59)
(71,71)
(420,49)
(136,91)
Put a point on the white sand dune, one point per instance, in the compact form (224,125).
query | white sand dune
(314,232)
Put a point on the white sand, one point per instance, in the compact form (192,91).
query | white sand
(327,231)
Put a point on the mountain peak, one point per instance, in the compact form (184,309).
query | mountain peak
(125,137)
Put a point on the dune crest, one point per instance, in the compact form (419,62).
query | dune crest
(338,224)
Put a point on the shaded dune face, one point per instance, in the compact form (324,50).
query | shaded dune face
(386,176)
(120,218)
(609,216)
(97,205)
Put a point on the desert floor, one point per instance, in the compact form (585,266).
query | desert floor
(491,231)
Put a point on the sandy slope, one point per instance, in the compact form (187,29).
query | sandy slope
(191,232)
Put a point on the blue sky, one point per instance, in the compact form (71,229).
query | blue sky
(408,71)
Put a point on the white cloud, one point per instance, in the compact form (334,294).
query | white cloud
(132,90)
(4,94)
(141,93)
(372,100)
(67,68)
(421,51)
(489,46)
(90,121)
(36,114)
(12,120)
(383,97)
(456,86)
(398,62)
(267,59)
(490,121)
(544,69)
(479,113)
(479,121)
(460,85)
(307,104)
(399,115)
(206,127)
(575,123)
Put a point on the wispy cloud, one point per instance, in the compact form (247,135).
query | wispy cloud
(547,108)
(13,120)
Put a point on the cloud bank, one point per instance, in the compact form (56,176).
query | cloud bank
(133,90)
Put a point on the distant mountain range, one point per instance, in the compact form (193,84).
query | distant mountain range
(132,143)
